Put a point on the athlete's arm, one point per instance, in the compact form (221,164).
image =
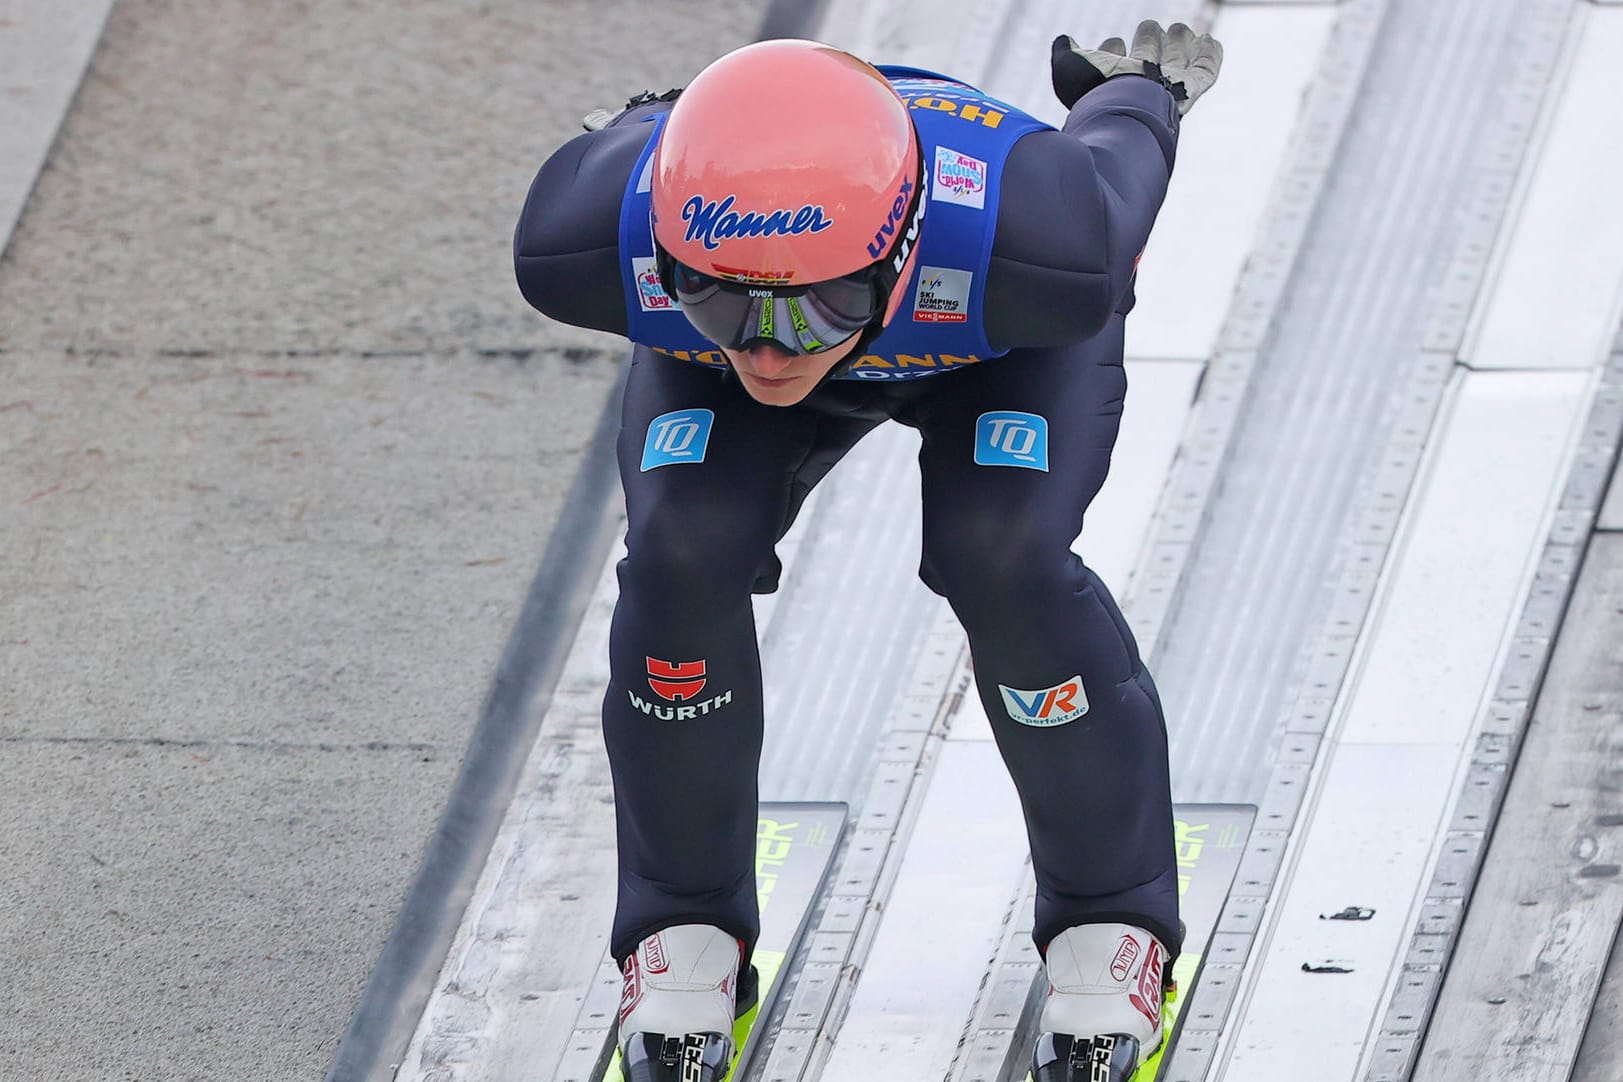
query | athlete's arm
(566,249)
(1075,212)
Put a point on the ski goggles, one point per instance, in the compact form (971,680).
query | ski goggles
(796,319)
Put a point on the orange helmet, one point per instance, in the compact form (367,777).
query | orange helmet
(783,165)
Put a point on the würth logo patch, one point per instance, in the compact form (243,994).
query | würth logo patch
(678,683)
(675,681)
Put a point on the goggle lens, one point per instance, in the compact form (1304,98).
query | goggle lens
(798,319)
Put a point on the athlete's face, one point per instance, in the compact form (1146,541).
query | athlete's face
(775,378)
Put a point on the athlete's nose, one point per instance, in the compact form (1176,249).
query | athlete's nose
(769,361)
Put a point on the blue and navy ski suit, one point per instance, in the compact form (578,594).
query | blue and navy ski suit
(1007,358)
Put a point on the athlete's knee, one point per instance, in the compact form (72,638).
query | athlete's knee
(706,551)
(974,558)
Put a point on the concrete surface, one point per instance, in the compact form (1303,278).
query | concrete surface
(282,447)
(44,48)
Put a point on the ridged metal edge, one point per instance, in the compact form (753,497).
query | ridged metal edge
(1359,559)
(400,984)
(814,1003)
(1366,544)
(1175,532)
(1499,162)
(1181,514)
(1177,524)
(1502,727)
(402,981)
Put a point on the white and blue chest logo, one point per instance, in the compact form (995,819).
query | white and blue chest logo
(677,437)
(1012,438)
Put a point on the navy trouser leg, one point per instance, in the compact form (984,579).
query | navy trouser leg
(712,481)
(1089,762)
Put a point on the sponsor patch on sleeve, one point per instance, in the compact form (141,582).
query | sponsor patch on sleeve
(650,293)
(959,179)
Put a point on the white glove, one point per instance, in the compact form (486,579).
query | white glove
(1180,60)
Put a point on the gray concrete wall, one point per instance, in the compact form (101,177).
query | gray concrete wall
(280,447)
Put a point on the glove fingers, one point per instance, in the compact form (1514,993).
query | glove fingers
(1208,55)
(1205,62)
(1148,41)
(1179,46)
(1113,45)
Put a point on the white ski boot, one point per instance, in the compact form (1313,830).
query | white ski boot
(1102,1019)
(677,1006)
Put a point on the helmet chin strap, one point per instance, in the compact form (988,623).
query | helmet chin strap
(865,338)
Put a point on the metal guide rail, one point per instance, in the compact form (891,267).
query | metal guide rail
(1352,679)
(994,1041)
(1415,424)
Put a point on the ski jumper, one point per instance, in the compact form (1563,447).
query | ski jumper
(1006,356)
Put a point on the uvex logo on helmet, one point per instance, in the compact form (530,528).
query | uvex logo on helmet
(711,222)
(887,230)
(906,247)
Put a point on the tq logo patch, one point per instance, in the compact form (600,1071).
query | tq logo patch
(1012,438)
(679,436)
